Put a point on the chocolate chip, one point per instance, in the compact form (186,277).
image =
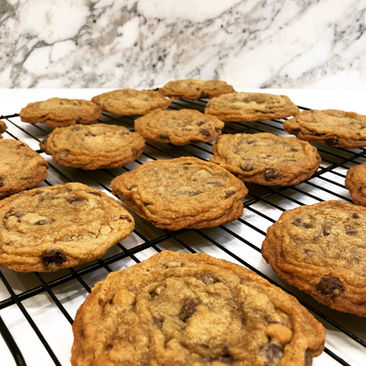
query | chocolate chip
(249,142)
(20,146)
(205,132)
(188,309)
(195,193)
(108,346)
(134,152)
(330,286)
(125,217)
(63,154)
(1,182)
(331,140)
(293,149)
(95,193)
(207,278)
(186,129)
(350,231)
(73,200)
(225,356)
(355,216)
(216,184)
(273,353)
(299,222)
(163,137)
(200,123)
(362,188)
(271,174)
(247,167)
(53,256)
(43,222)
(229,194)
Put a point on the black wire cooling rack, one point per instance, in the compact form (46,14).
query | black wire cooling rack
(37,309)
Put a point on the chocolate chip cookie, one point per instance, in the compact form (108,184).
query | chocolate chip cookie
(93,146)
(246,107)
(179,127)
(321,250)
(192,309)
(195,89)
(333,127)
(356,183)
(49,228)
(20,167)
(58,112)
(127,102)
(2,128)
(266,159)
(181,193)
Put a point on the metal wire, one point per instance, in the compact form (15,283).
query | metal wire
(276,200)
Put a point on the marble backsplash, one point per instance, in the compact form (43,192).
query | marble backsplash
(144,43)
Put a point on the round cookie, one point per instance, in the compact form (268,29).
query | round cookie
(93,146)
(320,249)
(333,127)
(181,193)
(266,159)
(192,309)
(181,127)
(127,102)
(356,183)
(49,228)
(58,112)
(2,128)
(246,107)
(20,167)
(195,89)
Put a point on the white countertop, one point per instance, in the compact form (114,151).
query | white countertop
(54,326)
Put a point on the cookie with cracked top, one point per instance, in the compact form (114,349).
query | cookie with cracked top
(246,107)
(93,146)
(192,309)
(58,112)
(20,167)
(333,127)
(127,102)
(180,127)
(265,158)
(356,183)
(49,228)
(320,249)
(2,128)
(193,89)
(181,193)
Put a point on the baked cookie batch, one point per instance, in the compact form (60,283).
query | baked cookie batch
(187,309)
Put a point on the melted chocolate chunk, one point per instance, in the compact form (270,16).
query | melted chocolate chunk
(53,256)
(330,286)
(73,200)
(188,309)
(95,193)
(207,278)
(273,353)
(331,140)
(355,216)
(247,167)
(271,174)
(125,217)
(200,123)
(163,137)
(299,222)
(43,222)
(229,194)
(2,182)
(350,231)
(205,132)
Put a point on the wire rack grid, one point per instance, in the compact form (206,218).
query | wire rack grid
(37,309)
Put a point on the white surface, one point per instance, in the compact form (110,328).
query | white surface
(55,327)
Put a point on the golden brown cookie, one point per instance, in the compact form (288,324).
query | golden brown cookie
(195,89)
(181,193)
(49,228)
(179,127)
(93,146)
(321,250)
(331,126)
(127,102)
(20,167)
(57,112)
(2,128)
(192,309)
(246,107)
(356,183)
(266,159)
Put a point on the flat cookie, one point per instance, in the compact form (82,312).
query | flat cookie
(179,127)
(181,193)
(127,102)
(93,146)
(192,309)
(2,128)
(321,250)
(356,183)
(58,112)
(49,228)
(246,107)
(266,159)
(333,127)
(20,167)
(195,89)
